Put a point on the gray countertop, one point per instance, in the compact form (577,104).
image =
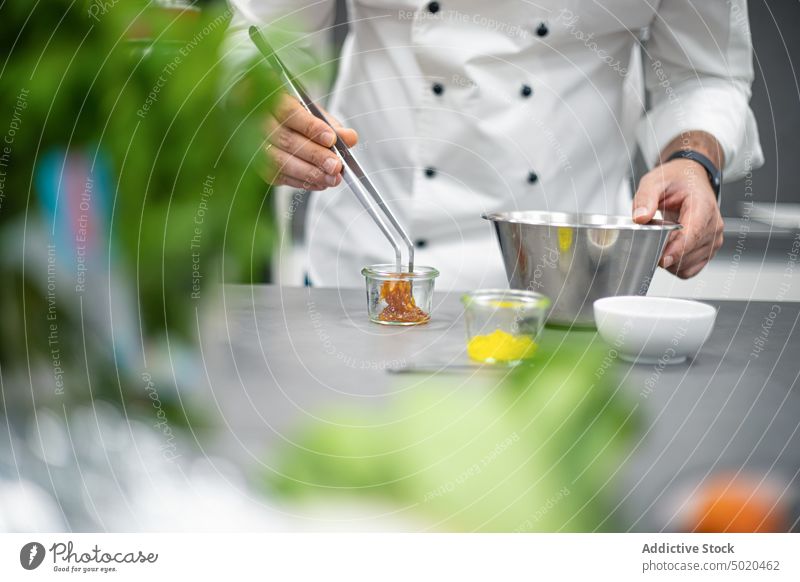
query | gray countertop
(284,356)
(756,241)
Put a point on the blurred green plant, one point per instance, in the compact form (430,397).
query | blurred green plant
(148,91)
(157,108)
(538,452)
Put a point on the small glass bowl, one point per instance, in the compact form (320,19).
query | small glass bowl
(503,325)
(383,280)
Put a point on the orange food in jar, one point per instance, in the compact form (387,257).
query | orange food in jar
(400,304)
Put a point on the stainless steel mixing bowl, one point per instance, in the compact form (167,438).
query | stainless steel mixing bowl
(575,259)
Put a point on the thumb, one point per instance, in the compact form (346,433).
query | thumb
(650,192)
(347,134)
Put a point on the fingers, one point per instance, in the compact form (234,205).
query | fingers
(300,147)
(693,262)
(682,242)
(687,270)
(691,248)
(651,191)
(667,259)
(702,225)
(291,114)
(283,180)
(349,136)
(293,169)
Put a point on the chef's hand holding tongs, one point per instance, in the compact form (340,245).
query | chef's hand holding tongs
(326,155)
(299,146)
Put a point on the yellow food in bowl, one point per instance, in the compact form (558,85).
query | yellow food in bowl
(507,304)
(500,346)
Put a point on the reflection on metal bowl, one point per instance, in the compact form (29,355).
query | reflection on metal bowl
(576,259)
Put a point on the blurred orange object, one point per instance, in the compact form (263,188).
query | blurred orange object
(738,504)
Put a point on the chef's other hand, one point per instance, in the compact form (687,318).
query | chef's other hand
(682,190)
(299,147)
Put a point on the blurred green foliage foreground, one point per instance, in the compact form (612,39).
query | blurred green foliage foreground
(128,108)
(539,451)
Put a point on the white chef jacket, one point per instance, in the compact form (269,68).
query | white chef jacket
(470,106)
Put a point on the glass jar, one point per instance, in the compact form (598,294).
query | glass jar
(503,325)
(399,298)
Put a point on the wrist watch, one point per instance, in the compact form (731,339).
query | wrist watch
(714,173)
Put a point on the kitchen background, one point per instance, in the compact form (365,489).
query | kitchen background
(757,237)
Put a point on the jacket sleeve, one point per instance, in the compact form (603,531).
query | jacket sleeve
(699,72)
(300,30)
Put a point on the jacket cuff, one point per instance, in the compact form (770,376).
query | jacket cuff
(717,107)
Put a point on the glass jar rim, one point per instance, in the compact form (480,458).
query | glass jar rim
(489,298)
(388,271)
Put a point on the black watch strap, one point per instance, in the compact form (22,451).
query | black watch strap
(714,173)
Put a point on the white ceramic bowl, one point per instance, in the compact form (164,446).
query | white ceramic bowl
(653,330)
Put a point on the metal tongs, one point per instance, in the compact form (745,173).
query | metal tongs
(354,175)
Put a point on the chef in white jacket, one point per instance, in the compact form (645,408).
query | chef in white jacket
(459,107)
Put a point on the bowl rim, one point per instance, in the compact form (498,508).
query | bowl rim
(388,271)
(531,299)
(576,221)
(609,305)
